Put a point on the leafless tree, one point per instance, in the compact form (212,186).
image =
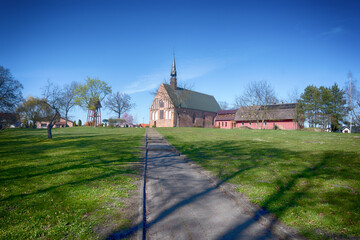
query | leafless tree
(353,101)
(255,100)
(53,99)
(32,110)
(119,103)
(69,99)
(10,91)
(293,96)
(224,105)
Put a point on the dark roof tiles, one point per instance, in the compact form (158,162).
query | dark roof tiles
(273,112)
(192,100)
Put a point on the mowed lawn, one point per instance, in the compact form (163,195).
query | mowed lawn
(77,186)
(309,180)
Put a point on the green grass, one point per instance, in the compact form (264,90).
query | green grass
(75,186)
(309,180)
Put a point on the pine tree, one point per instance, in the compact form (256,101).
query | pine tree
(338,107)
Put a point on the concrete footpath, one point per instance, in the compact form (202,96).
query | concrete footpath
(181,203)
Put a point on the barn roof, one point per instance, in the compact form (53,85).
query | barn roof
(192,100)
(273,112)
(226,115)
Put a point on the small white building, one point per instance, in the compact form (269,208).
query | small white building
(345,130)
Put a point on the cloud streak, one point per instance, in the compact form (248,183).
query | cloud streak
(334,31)
(187,71)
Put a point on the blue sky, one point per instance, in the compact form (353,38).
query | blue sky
(220,46)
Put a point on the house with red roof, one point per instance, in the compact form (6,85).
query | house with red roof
(59,124)
(276,116)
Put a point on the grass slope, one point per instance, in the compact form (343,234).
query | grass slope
(310,181)
(75,186)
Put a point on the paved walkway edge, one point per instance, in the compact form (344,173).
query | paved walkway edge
(141,233)
(278,229)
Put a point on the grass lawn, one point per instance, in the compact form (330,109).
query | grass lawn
(309,180)
(75,186)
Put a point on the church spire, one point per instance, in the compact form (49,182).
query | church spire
(173,68)
(173,80)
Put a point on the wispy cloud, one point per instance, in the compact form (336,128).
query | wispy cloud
(333,31)
(198,68)
(186,71)
(145,83)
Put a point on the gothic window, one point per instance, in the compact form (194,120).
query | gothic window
(194,118)
(249,123)
(161,104)
(161,114)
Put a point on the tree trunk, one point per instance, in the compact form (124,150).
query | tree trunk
(51,124)
(49,127)
(66,119)
(177,118)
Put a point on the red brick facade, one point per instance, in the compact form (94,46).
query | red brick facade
(164,114)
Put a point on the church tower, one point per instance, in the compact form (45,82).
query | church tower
(173,80)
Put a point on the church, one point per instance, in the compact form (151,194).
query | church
(174,106)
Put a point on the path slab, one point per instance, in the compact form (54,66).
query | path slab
(183,204)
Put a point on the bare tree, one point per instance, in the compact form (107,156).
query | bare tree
(69,99)
(32,111)
(293,96)
(353,101)
(119,103)
(255,100)
(224,105)
(53,99)
(10,91)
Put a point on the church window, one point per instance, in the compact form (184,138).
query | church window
(265,123)
(161,114)
(161,104)
(249,123)
(242,124)
(225,124)
(194,118)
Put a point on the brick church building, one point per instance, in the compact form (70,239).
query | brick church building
(174,106)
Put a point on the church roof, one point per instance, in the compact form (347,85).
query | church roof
(193,100)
